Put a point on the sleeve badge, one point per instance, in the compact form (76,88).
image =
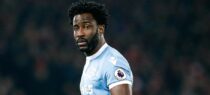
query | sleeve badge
(120,74)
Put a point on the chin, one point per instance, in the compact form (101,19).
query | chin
(83,49)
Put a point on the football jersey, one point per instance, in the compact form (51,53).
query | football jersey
(104,70)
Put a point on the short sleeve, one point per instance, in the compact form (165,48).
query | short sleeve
(117,74)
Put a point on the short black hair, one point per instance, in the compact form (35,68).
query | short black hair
(98,11)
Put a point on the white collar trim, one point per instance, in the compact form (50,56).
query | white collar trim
(98,52)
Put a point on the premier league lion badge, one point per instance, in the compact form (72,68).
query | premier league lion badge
(120,74)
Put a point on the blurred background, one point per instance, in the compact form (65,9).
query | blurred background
(165,41)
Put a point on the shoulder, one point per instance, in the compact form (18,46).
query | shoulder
(115,59)
(117,69)
(115,62)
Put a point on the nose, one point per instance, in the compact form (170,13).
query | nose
(80,32)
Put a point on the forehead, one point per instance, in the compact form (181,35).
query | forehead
(84,17)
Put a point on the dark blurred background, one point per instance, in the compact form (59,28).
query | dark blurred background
(165,41)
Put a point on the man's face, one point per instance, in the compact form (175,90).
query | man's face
(85,32)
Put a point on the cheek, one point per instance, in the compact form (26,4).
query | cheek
(91,34)
(74,34)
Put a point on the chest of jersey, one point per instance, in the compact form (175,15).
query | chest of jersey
(93,80)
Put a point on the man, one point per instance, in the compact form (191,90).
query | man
(106,71)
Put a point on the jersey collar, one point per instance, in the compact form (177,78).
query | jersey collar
(98,52)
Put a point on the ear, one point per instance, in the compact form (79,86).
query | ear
(101,29)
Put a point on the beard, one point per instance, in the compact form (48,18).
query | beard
(90,45)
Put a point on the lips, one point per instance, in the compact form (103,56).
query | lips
(82,42)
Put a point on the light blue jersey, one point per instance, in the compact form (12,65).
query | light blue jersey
(104,70)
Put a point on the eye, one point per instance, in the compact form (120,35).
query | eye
(87,26)
(75,28)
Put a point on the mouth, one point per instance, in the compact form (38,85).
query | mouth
(82,43)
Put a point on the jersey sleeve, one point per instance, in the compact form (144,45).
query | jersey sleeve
(118,73)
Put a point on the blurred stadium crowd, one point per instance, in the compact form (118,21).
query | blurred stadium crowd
(165,41)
